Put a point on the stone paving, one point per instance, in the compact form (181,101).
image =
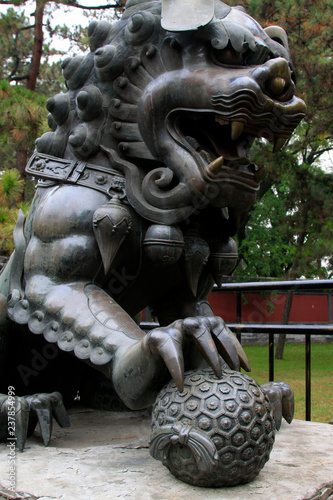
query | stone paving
(105,455)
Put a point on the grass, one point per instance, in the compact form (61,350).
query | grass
(292,371)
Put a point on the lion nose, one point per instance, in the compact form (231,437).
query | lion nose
(275,79)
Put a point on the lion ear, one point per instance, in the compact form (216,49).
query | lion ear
(278,34)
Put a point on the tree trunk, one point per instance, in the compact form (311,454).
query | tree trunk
(21,154)
(38,45)
(293,275)
(21,161)
(285,319)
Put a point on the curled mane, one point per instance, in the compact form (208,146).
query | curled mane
(99,118)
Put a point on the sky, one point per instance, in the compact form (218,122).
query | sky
(60,16)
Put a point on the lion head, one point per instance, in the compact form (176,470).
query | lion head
(177,111)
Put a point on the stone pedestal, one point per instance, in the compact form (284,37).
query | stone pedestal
(105,455)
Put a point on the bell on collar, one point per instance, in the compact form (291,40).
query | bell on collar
(184,15)
(223,259)
(111,224)
(163,244)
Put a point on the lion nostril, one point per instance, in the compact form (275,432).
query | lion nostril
(276,86)
(275,79)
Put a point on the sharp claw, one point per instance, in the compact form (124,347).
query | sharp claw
(171,353)
(283,394)
(3,418)
(276,412)
(288,404)
(59,410)
(167,343)
(281,397)
(200,333)
(227,349)
(28,411)
(21,421)
(274,396)
(3,398)
(288,408)
(244,362)
(45,421)
(42,407)
(220,329)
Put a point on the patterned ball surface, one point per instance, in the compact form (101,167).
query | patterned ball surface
(217,432)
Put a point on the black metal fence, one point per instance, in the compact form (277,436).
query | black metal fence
(272,328)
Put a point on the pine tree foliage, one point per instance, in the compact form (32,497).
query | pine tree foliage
(11,189)
(26,60)
(23,117)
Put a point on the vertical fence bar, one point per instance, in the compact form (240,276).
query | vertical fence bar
(330,315)
(308,376)
(284,285)
(239,314)
(148,317)
(271,357)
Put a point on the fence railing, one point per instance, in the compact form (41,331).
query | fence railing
(272,328)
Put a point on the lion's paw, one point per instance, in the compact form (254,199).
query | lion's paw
(20,415)
(211,336)
(281,397)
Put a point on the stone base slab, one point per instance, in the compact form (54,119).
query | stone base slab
(105,455)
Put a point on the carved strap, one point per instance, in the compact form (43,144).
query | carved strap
(103,179)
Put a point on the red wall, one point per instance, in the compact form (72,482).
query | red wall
(255,308)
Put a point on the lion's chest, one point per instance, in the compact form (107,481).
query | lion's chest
(65,210)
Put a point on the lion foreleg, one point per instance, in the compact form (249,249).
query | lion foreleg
(81,318)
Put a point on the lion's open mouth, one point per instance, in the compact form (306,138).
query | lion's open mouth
(220,147)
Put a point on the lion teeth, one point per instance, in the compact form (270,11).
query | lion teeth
(279,142)
(236,129)
(193,143)
(215,166)
(221,121)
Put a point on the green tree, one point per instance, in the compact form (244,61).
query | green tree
(11,188)
(27,68)
(290,229)
(22,119)
(25,61)
(16,48)
(289,232)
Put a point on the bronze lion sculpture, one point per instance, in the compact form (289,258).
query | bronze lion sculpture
(142,182)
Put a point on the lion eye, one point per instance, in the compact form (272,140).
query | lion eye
(228,56)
